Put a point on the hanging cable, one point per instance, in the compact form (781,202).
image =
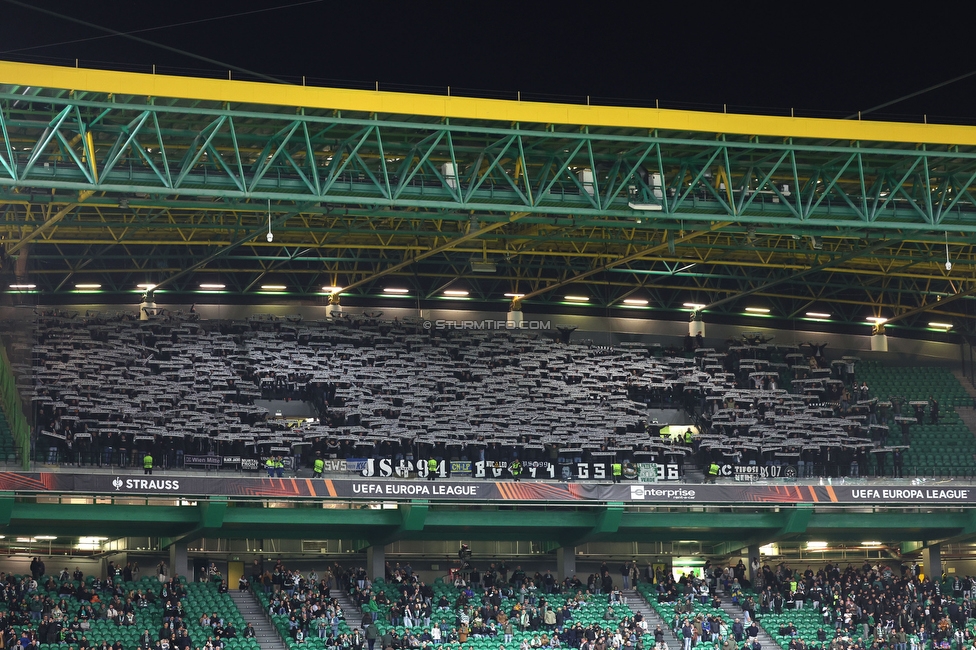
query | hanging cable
(161,27)
(145,41)
(910,95)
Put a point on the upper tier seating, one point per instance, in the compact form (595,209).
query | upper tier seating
(108,389)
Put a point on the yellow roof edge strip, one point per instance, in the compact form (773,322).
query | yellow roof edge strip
(507,111)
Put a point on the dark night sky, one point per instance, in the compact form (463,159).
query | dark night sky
(821,60)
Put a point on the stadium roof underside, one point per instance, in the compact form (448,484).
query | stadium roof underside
(119,179)
(720,531)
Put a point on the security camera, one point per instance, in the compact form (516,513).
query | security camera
(270,236)
(948,265)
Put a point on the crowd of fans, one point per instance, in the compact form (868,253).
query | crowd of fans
(109,390)
(873,606)
(800,411)
(404,612)
(69,610)
(870,607)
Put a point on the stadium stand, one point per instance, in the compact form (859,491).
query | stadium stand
(44,612)
(110,389)
(871,606)
(480,614)
(104,386)
(940,444)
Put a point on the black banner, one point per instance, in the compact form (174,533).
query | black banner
(757,472)
(202,461)
(485,469)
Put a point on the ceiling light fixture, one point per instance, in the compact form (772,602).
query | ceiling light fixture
(456,292)
(146,285)
(88,287)
(697,306)
(483,266)
(941,326)
(273,287)
(578,298)
(877,319)
(757,310)
(212,286)
(332,289)
(817,314)
(22,287)
(648,207)
(396,290)
(270,234)
(514,295)
(635,301)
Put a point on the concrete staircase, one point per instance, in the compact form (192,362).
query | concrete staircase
(264,630)
(693,475)
(734,611)
(966,413)
(964,380)
(352,613)
(968,416)
(637,603)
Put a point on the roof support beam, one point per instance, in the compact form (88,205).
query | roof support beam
(795,524)
(813,269)
(930,306)
(251,234)
(50,223)
(474,234)
(413,515)
(965,535)
(623,260)
(212,513)
(607,523)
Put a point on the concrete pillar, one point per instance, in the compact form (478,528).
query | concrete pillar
(376,562)
(750,574)
(565,562)
(179,564)
(932,561)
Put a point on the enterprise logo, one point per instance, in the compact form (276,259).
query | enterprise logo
(640,492)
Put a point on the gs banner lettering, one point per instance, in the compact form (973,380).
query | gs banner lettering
(591,471)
